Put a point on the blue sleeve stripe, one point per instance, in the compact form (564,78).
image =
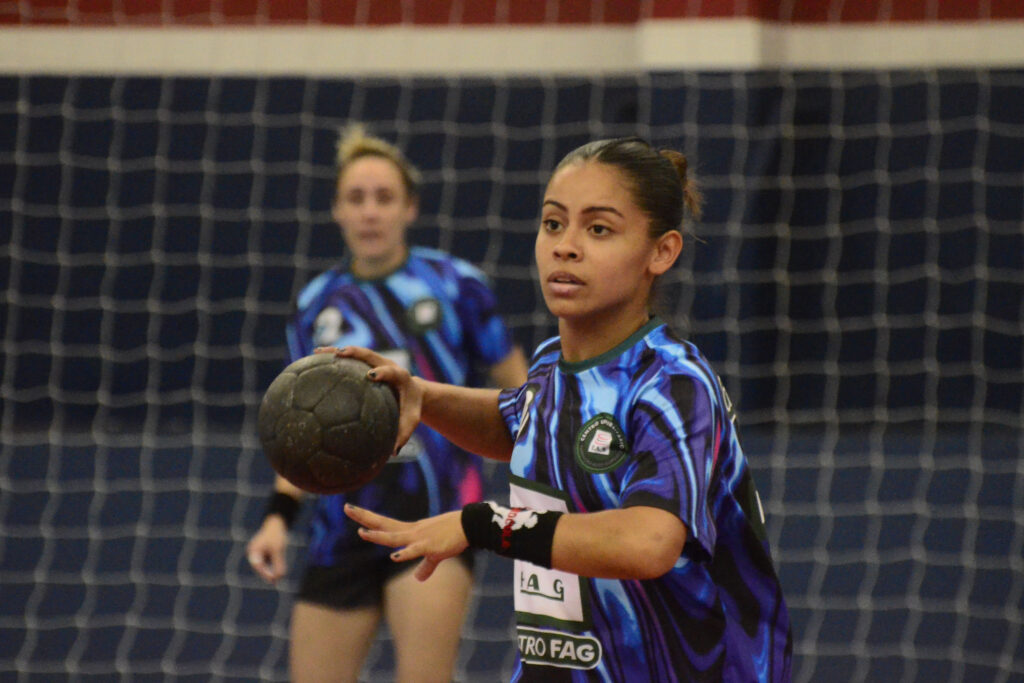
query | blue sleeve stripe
(380,308)
(453,371)
(670,413)
(312,290)
(296,349)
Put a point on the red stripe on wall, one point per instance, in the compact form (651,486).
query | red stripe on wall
(489,12)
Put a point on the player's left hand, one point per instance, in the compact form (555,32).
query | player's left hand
(434,538)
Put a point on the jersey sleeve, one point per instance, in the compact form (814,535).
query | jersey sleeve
(487,337)
(672,424)
(299,344)
(510,407)
(513,402)
(299,328)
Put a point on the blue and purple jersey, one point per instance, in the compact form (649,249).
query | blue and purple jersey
(647,423)
(436,316)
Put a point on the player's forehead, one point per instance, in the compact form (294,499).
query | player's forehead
(589,186)
(371,172)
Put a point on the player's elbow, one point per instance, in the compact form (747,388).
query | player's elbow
(658,547)
(649,556)
(634,543)
(656,560)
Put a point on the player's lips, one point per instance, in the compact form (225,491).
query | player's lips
(561,282)
(370,237)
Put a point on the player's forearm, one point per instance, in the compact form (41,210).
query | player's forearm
(282,485)
(630,543)
(467,417)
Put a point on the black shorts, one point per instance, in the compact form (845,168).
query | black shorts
(359,582)
(358,579)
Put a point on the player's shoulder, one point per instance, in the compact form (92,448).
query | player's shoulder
(319,286)
(672,361)
(545,356)
(428,253)
(447,264)
(665,353)
(548,351)
(669,345)
(432,256)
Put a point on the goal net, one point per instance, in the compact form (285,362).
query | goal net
(857,281)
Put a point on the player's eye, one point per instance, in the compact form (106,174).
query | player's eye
(385,197)
(600,230)
(550,225)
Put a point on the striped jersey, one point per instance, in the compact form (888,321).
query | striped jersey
(436,316)
(647,423)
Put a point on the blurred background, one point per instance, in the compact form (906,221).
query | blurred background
(165,180)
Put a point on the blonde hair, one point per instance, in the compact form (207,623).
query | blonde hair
(355,143)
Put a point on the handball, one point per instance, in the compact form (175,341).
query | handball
(325,426)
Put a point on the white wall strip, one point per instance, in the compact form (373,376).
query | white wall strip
(711,44)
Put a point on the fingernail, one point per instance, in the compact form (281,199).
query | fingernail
(394,556)
(372,374)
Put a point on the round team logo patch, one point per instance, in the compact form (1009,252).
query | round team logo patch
(423,316)
(327,328)
(601,445)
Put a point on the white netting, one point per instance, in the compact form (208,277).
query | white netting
(857,282)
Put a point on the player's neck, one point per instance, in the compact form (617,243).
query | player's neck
(586,338)
(376,268)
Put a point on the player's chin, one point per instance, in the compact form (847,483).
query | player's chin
(566,309)
(562,305)
(373,248)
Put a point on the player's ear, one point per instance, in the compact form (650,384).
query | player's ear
(666,250)
(413,208)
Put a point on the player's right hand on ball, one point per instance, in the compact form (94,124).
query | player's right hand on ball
(409,390)
(266,549)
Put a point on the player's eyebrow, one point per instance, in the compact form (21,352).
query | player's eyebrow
(589,209)
(603,209)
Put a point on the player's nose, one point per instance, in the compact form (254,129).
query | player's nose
(566,246)
(370,210)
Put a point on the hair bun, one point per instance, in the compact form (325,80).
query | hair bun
(693,199)
(354,142)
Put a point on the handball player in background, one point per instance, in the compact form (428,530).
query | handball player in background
(434,315)
(636,529)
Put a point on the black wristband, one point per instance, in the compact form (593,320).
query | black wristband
(284,505)
(519,533)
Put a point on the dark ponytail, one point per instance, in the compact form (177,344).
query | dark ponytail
(693,200)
